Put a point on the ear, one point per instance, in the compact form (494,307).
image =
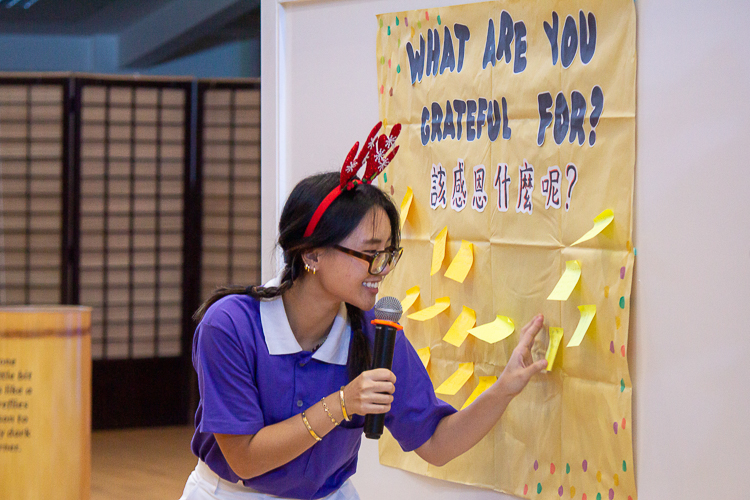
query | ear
(311,257)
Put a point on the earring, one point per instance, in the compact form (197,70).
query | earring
(309,269)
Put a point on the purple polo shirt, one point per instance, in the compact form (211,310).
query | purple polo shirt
(244,387)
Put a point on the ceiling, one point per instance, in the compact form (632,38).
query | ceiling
(73,17)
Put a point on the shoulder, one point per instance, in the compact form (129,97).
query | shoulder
(235,317)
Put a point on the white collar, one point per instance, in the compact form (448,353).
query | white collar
(280,339)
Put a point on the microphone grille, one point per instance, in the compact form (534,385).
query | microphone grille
(388,309)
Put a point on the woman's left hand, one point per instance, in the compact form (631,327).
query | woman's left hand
(521,366)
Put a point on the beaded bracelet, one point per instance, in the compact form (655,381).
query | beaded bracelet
(325,407)
(309,429)
(343,405)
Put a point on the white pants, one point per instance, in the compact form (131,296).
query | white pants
(204,484)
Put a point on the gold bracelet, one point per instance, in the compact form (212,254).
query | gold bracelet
(309,429)
(325,407)
(343,405)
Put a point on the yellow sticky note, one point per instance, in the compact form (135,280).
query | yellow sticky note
(411,297)
(424,355)
(457,380)
(493,332)
(567,282)
(600,222)
(460,328)
(430,312)
(587,314)
(438,251)
(555,336)
(405,204)
(484,384)
(462,262)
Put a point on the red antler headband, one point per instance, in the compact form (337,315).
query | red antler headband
(374,154)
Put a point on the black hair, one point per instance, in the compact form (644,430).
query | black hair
(338,221)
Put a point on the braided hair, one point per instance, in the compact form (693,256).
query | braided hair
(337,222)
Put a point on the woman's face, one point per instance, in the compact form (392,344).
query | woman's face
(346,277)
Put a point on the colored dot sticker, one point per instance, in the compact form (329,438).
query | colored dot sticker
(622,350)
(629,246)
(392,190)
(567,468)
(381,23)
(560,491)
(382,89)
(382,59)
(389,31)
(614,426)
(635,252)
(551,468)
(538,488)
(624,466)
(622,302)
(399,43)
(612,347)
(406,21)
(622,273)
(599,476)
(606,292)
(389,63)
(584,497)
(525,489)
(385,177)
(426,16)
(419,24)
(397,21)
(572,491)
(598,496)
(612,494)
(616,479)
(412,31)
(585,465)
(439,23)
(398,68)
(617,321)
(536,465)
(391,92)
(623,423)
(622,389)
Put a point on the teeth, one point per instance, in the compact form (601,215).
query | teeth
(370,285)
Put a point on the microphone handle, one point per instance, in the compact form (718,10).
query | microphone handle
(385,341)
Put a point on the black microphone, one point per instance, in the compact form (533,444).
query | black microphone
(387,313)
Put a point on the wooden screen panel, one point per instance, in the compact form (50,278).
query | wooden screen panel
(31,192)
(131,245)
(230,155)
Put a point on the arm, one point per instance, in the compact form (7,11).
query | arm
(275,445)
(457,433)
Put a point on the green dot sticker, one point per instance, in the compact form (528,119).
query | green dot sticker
(381,23)
(622,389)
(396,21)
(624,466)
(567,468)
(389,31)
(538,488)
(385,177)
(438,20)
(398,69)
(382,59)
(622,302)
(419,24)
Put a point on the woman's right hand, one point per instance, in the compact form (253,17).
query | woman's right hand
(370,393)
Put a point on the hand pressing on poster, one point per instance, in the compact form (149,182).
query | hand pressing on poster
(459,432)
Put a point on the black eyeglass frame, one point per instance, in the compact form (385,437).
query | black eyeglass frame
(393,258)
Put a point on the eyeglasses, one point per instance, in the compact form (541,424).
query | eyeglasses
(378,260)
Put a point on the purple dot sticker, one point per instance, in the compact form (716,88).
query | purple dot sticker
(406,22)
(611,494)
(622,273)
(585,466)
(612,347)
(536,465)
(560,491)
(614,426)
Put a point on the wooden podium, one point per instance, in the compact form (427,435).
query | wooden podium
(45,403)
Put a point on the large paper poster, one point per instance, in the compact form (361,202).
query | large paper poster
(516,175)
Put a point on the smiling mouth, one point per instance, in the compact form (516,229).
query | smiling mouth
(371,284)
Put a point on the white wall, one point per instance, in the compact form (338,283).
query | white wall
(689,337)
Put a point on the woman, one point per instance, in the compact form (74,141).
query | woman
(283,368)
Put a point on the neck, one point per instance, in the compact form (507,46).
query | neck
(310,312)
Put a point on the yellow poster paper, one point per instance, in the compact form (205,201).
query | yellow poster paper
(459,330)
(438,251)
(459,268)
(424,355)
(555,336)
(496,331)
(600,222)
(453,383)
(405,204)
(587,315)
(411,296)
(568,281)
(484,384)
(430,312)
